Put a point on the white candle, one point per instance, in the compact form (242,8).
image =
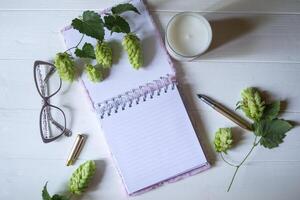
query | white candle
(188,35)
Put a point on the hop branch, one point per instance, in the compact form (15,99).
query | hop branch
(93,25)
(78,183)
(269,131)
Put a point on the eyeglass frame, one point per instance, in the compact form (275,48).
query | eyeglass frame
(47,104)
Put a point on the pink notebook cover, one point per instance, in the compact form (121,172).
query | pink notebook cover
(157,76)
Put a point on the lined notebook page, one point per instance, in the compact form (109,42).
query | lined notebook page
(153,141)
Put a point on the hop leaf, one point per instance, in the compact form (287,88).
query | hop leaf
(87,51)
(123,8)
(223,140)
(252,104)
(103,54)
(93,73)
(46,195)
(59,197)
(117,24)
(272,110)
(65,66)
(133,48)
(90,24)
(81,177)
(272,132)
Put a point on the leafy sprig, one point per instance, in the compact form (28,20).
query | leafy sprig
(267,126)
(78,182)
(268,129)
(93,25)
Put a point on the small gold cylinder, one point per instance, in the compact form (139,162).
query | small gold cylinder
(76,149)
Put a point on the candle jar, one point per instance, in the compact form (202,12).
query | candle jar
(188,35)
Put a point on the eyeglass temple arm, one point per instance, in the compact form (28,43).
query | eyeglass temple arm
(60,127)
(52,70)
(56,124)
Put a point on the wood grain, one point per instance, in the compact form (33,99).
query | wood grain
(237,37)
(244,6)
(222,81)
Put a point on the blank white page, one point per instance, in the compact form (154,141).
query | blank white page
(153,141)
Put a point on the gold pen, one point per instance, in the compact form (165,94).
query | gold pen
(76,149)
(221,109)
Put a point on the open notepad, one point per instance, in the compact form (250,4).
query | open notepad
(144,120)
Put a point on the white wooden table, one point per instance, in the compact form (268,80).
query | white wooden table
(256,43)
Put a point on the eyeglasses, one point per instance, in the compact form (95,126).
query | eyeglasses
(52,119)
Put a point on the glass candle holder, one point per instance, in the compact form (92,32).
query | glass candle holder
(188,35)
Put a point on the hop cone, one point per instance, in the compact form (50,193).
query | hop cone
(103,54)
(81,177)
(252,104)
(65,66)
(223,140)
(93,73)
(132,45)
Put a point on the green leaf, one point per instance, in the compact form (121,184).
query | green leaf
(91,24)
(123,8)
(116,24)
(59,197)
(45,193)
(87,51)
(272,132)
(271,110)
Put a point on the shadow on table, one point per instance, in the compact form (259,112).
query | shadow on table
(229,29)
(196,118)
(238,135)
(100,170)
(269,98)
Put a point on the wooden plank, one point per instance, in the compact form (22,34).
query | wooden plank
(221,81)
(206,124)
(225,81)
(20,130)
(254,6)
(21,136)
(237,37)
(29,176)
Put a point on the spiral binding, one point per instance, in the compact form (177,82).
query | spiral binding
(135,96)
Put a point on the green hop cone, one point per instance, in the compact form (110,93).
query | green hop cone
(223,140)
(81,178)
(93,73)
(103,54)
(133,48)
(252,104)
(65,66)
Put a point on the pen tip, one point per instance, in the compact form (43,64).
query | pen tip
(69,162)
(199,95)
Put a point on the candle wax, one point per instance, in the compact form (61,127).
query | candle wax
(188,35)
